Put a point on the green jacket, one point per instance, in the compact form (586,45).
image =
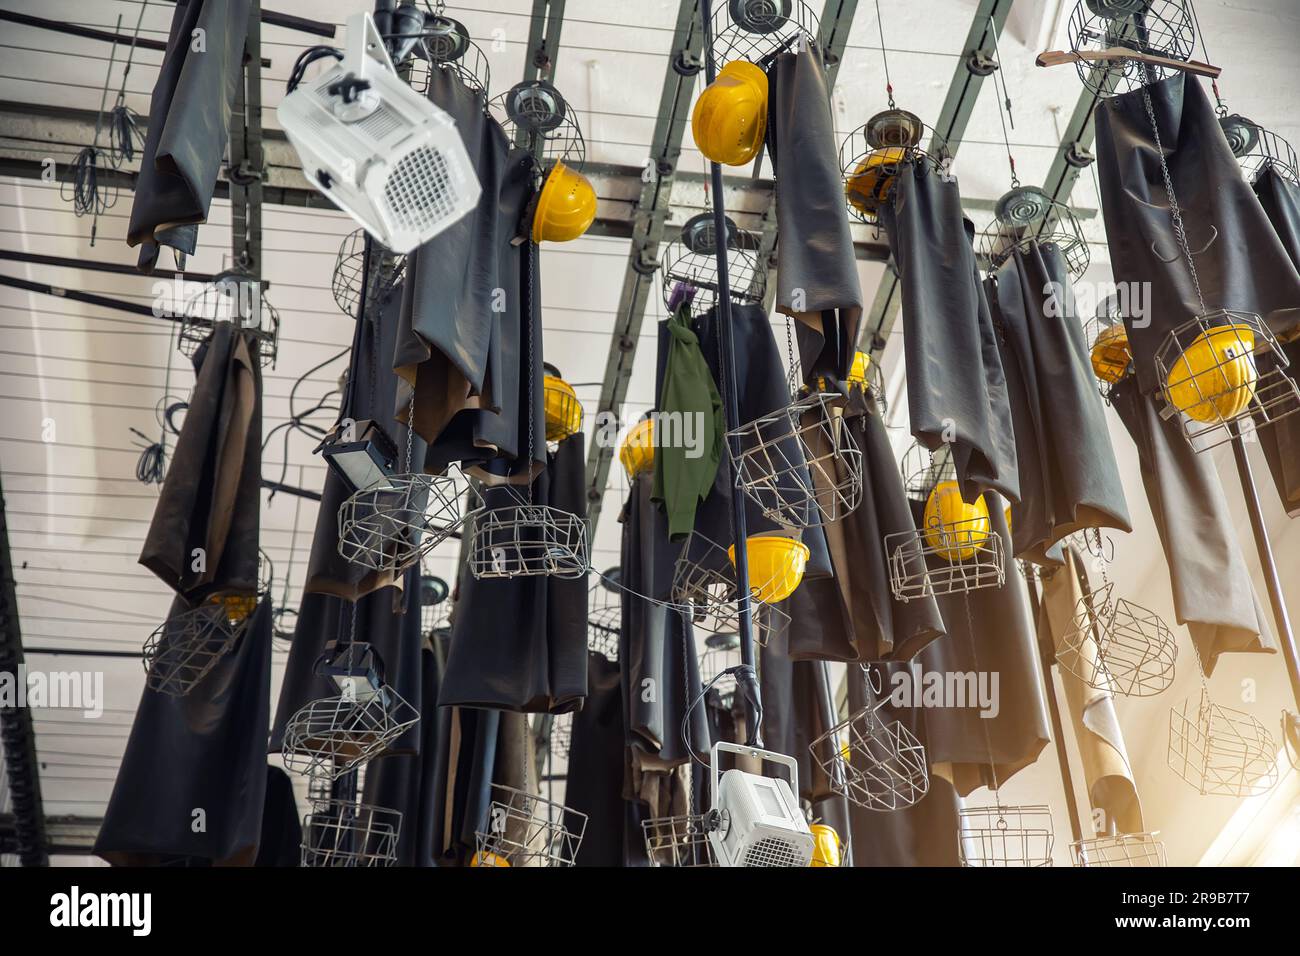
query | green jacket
(689,407)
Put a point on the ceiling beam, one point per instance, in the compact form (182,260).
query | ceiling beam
(543,39)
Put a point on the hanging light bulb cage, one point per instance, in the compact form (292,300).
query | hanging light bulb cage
(537,117)
(1224,373)
(677,841)
(229,298)
(1026,215)
(1108,347)
(1118,646)
(520,539)
(1120,850)
(690,261)
(872,156)
(923,469)
(390,525)
(1220,751)
(350,274)
(799,464)
(704,590)
(527,830)
(435,608)
(186,646)
(605,615)
(873,762)
(1157,27)
(346,834)
(1258,149)
(959,557)
(1000,836)
(445,45)
(757,30)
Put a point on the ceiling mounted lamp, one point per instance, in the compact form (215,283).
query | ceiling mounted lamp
(1025,215)
(536,105)
(360,453)
(760,16)
(894,129)
(699,234)
(433,590)
(1241,133)
(445,39)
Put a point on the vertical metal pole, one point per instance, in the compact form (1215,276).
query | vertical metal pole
(729,400)
(1285,635)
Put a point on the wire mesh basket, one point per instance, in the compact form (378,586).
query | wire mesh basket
(799,464)
(873,762)
(605,615)
(756,30)
(393,523)
(560,403)
(526,830)
(560,742)
(923,469)
(536,117)
(445,44)
(677,841)
(1223,373)
(528,540)
(347,834)
(954,558)
(1108,347)
(1157,27)
(1221,751)
(1000,836)
(872,156)
(704,589)
(1258,149)
(690,261)
(1118,646)
(186,646)
(229,297)
(349,273)
(1122,849)
(1026,215)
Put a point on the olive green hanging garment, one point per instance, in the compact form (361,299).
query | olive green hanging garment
(689,408)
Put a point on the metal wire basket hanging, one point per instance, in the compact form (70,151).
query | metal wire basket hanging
(956,558)
(1118,646)
(445,44)
(229,297)
(1026,214)
(1000,836)
(756,30)
(330,736)
(392,524)
(560,403)
(1222,373)
(536,117)
(560,741)
(873,762)
(704,589)
(1122,849)
(923,469)
(677,841)
(799,464)
(690,262)
(520,539)
(605,614)
(1221,751)
(1108,347)
(526,830)
(1157,27)
(186,646)
(349,273)
(872,156)
(347,834)
(1258,149)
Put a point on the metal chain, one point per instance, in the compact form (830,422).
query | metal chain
(884,58)
(1174,210)
(792,375)
(410,427)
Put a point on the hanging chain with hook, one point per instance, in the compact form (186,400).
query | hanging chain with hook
(884,57)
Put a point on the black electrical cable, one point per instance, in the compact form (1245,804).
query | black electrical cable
(152,466)
(306,59)
(124,135)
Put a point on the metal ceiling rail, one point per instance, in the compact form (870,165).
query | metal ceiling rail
(543,39)
(973,67)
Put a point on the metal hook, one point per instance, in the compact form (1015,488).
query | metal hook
(1214,234)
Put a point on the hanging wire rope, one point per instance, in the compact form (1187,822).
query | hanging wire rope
(124,136)
(88,196)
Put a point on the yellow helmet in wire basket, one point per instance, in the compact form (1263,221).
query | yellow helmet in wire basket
(868,186)
(1214,377)
(776,565)
(566,207)
(637,453)
(953,528)
(730,117)
(563,410)
(1110,353)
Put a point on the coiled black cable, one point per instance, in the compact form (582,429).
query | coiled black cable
(306,59)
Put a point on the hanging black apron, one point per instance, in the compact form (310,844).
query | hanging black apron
(956,389)
(1068,476)
(1240,260)
(467,749)
(1213,593)
(817,271)
(597,754)
(797,709)
(204,751)
(209,500)
(280,843)
(989,631)
(189,125)
(520,644)
(853,616)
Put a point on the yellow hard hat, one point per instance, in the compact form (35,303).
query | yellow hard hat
(238,606)
(638,450)
(730,117)
(954,529)
(563,410)
(1110,353)
(566,208)
(776,565)
(858,371)
(869,184)
(1214,377)
(486,858)
(826,845)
